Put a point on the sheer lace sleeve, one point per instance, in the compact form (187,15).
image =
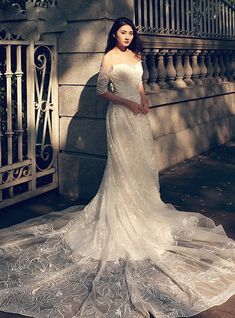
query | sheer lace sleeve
(103,79)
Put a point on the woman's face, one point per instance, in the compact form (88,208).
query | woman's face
(124,35)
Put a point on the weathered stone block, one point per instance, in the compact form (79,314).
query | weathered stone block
(83,36)
(80,176)
(81,101)
(83,135)
(173,148)
(75,10)
(176,117)
(80,69)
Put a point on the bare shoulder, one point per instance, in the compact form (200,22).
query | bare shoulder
(107,59)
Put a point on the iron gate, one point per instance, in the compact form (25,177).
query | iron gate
(28,120)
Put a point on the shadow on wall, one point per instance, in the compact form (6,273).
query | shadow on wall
(187,128)
(86,139)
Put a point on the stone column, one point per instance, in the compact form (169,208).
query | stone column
(162,73)
(188,71)
(145,76)
(210,68)
(153,74)
(170,68)
(226,64)
(179,83)
(222,66)
(195,67)
(216,67)
(202,66)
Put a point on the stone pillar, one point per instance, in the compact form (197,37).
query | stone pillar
(170,68)
(145,76)
(179,83)
(162,73)
(226,64)
(202,66)
(222,66)
(188,71)
(151,62)
(216,67)
(210,68)
(195,67)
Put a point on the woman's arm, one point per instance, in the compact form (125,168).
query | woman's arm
(144,100)
(102,88)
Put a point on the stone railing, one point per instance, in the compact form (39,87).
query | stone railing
(190,18)
(169,63)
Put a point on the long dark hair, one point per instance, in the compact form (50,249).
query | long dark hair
(135,45)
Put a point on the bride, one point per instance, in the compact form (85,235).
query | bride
(126,254)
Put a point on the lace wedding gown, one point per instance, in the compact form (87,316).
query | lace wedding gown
(127,253)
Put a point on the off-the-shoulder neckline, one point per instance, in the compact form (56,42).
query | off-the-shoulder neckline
(131,64)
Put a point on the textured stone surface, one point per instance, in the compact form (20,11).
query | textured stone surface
(81,68)
(173,148)
(83,135)
(81,101)
(84,36)
(188,114)
(89,9)
(80,176)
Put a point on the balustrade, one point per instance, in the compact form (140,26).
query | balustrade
(177,68)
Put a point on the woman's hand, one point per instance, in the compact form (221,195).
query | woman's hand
(133,106)
(144,105)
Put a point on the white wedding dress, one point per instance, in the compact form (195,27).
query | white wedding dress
(126,254)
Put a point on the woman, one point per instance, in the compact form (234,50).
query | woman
(127,254)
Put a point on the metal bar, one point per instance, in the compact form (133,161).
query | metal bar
(19,74)
(151,22)
(145,15)
(173,15)
(139,16)
(192,14)
(182,17)
(9,132)
(161,16)
(177,16)
(203,9)
(167,16)
(213,18)
(55,113)
(187,18)
(31,113)
(209,17)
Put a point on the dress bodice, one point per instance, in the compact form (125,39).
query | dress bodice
(126,79)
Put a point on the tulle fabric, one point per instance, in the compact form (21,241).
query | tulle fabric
(127,253)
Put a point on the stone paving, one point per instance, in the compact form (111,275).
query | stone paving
(204,183)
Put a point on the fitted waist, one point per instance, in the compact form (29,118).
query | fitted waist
(135,98)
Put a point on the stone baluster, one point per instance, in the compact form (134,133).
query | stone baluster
(227,66)
(179,82)
(153,74)
(170,68)
(162,73)
(195,67)
(222,66)
(188,71)
(210,69)
(202,66)
(232,62)
(216,67)
(145,76)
